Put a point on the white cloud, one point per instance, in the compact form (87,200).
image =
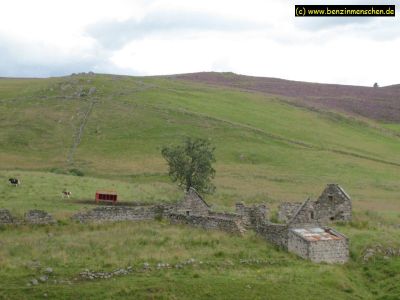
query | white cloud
(253,37)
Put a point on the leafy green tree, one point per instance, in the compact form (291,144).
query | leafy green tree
(190,164)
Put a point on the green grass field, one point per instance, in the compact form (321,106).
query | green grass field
(266,150)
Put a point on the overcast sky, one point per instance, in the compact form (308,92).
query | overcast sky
(58,37)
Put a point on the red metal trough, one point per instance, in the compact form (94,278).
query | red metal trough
(106,196)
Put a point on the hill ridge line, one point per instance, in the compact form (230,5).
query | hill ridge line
(378,103)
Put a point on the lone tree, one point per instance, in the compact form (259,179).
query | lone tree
(376,85)
(190,164)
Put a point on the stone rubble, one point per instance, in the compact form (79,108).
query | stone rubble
(380,251)
(91,275)
(34,282)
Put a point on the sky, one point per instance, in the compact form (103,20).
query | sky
(44,38)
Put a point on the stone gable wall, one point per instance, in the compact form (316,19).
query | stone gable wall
(192,204)
(333,205)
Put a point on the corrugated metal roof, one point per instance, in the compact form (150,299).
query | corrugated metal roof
(316,234)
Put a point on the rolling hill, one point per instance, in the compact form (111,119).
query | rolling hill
(276,140)
(266,147)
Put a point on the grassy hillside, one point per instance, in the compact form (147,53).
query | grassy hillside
(112,129)
(266,148)
(211,265)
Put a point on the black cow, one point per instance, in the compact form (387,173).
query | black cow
(14,181)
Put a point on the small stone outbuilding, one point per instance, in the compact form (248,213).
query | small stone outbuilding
(307,238)
(319,244)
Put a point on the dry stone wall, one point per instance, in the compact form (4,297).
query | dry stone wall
(274,233)
(122,213)
(225,215)
(38,217)
(208,222)
(6,217)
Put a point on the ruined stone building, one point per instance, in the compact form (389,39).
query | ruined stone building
(304,230)
(334,204)
(318,244)
(194,211)
(309,238)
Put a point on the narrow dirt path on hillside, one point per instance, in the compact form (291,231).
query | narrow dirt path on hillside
(79,131)
(87,112)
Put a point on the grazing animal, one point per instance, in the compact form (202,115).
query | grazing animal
(14,181)
(66,194)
